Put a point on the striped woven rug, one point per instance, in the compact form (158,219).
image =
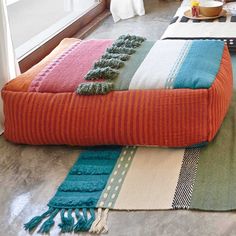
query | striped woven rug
(145,178)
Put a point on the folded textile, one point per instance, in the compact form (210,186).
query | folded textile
(124,9)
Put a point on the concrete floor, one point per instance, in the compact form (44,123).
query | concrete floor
(29,175)
(152,25)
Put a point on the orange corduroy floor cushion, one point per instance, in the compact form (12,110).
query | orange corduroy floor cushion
(157,117)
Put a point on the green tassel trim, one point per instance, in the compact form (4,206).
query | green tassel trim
(95,88)
(127,43)
(67,223)
(122,57)
(102,73)
(113,63)
(121,50)
(132,37)
(107,67)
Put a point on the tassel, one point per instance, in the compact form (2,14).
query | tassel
(90,220)
(102,73)
(98,218)
(83,227)
(132,37)
(113,63)
(121,50)
(81,221)
(94,88)
(34,222)
(48,224)
(122,57)
(84,224)
(67,223)
(100,225)
(127,43)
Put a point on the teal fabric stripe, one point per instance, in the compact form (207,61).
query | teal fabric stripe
(79,192)
(86,180)
(201,65)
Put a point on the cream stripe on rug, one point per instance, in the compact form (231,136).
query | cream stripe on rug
(154,179)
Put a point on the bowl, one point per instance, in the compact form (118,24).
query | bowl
(211,8)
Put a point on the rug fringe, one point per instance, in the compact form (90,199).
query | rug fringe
(98,218)
(100,223)
(67,223)
(49,223)
(85,219)
(34,222)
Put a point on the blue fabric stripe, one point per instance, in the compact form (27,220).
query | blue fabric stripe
(201,65)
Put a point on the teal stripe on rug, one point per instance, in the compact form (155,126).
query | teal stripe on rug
(83,183)
(201,65)
(79,192)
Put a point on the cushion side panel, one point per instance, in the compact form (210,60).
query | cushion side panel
(220,95)
(171,118)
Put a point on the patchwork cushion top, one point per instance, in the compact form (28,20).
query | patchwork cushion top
(162,65)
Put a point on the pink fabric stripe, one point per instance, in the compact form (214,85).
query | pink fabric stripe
(67,71)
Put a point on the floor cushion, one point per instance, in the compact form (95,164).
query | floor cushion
(42,107)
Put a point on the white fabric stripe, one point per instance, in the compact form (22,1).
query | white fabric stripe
(179,62)
(151,180)
(156,68)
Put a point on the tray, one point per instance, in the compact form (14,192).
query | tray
(188,14)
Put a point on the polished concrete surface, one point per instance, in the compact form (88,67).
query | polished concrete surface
(29,175)
(152,25)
